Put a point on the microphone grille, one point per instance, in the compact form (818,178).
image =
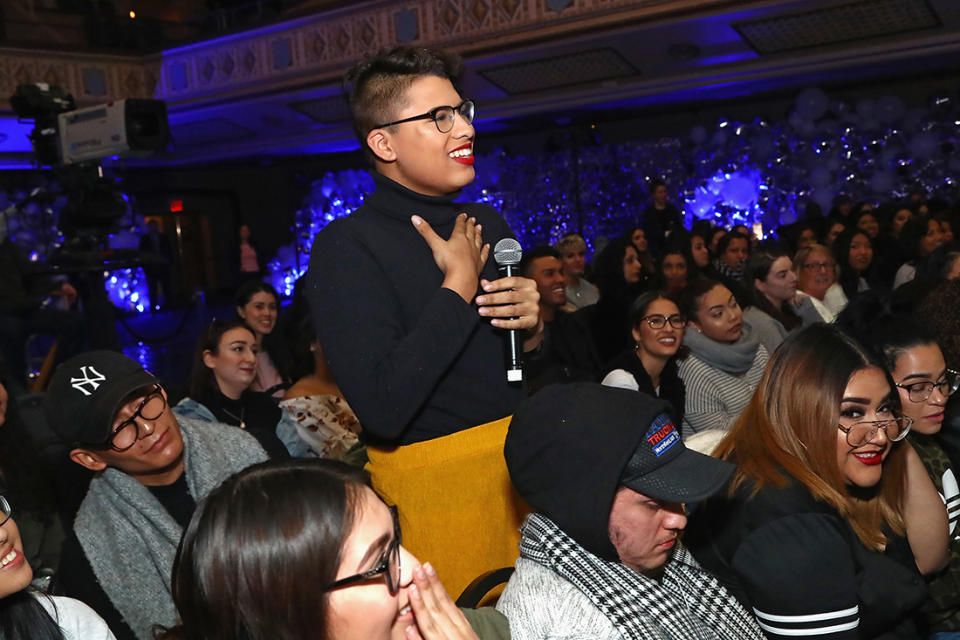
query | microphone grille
(507,252)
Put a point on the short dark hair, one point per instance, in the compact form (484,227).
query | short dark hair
(376,85)
(255,541)
(543,251)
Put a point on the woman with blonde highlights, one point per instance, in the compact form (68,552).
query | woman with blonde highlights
(815,532)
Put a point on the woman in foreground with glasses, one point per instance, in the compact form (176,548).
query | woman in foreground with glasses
(651,365)
(304,549)
(829,515)
(27,614)
(924,384)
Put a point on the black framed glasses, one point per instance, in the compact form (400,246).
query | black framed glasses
(126,433)
(443,117)
(920,391)
(389,564)
(5,510)
(659,321)
(860,433)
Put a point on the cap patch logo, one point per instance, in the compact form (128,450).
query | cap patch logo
(91,377)
(662,435)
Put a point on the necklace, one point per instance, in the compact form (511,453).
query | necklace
(239,418)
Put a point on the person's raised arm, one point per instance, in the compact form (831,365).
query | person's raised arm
(925,516)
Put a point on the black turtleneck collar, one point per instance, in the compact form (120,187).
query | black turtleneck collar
(396,201)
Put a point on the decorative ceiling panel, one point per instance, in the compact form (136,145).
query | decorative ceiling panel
(838,24)
(560,71)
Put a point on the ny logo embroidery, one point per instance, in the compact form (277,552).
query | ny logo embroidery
(92,378)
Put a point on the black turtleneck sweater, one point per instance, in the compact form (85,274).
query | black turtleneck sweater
(413,359)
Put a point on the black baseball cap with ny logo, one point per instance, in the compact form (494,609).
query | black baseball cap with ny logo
(86,392)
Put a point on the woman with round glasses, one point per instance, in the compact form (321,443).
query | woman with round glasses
(817,277)
(305,549)
(651,365)
(620,277)
(924,384)
(829,515)
(27,614)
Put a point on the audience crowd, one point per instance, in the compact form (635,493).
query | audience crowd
(717,435)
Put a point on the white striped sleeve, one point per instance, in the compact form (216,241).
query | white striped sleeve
(800,576)
(814,624)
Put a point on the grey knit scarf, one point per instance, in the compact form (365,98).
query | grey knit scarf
(736,358)
(129,538)
(689,603)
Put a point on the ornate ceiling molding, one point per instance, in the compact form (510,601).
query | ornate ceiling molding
(90,78)
(316,49)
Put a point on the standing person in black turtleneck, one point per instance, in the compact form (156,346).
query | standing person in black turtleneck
(410,312)
(224,367)
(393,287)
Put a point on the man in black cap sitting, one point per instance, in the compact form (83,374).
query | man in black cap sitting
(151,469)
(608,477)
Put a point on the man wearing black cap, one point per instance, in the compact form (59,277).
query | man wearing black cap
(150,468)
(607,475)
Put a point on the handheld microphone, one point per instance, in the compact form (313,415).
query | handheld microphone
(507,254)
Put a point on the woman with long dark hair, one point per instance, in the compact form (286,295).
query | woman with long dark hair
(258,304)
(920,237)
(304,549)
(829,514)
(224,369)
(651,365)
(773,309)
(27,614)
(619,275)
(853,251)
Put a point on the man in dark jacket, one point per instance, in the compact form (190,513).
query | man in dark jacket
(608,476)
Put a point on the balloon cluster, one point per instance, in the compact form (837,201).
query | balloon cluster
(331,196)
(764,171)
(128,289)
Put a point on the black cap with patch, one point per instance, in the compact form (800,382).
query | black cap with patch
(86,392)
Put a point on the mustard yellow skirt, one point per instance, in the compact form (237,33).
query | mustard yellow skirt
(457,507)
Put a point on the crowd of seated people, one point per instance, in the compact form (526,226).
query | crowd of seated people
(716,435)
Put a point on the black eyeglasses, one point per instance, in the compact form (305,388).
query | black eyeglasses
(920,391)
(388,564)
(5,510)
(443,117)
(126,434)
(860,433)
(659,321)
